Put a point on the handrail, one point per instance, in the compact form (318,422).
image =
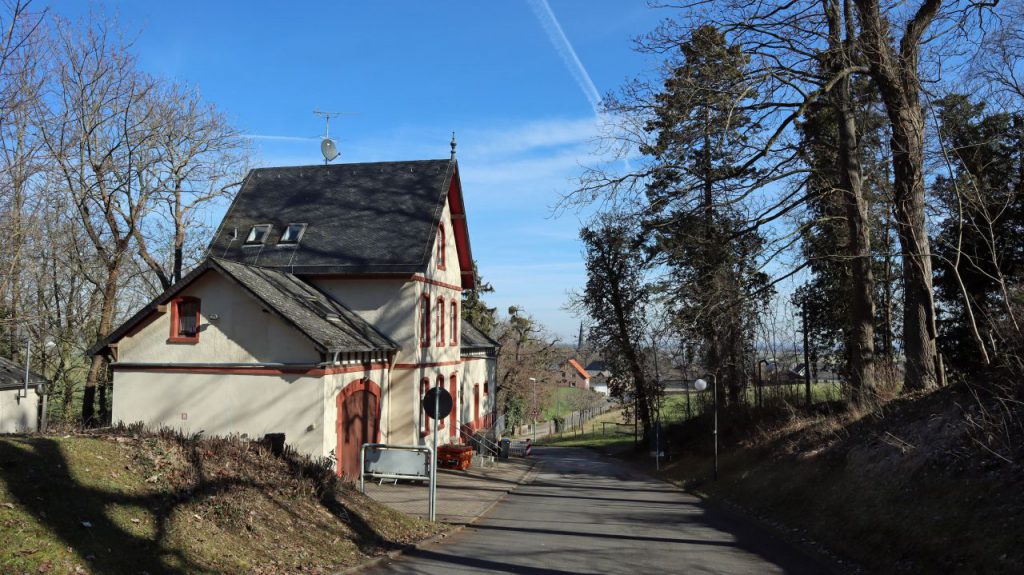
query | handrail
(472,435)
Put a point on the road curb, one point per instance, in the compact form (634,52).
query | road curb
(457,528)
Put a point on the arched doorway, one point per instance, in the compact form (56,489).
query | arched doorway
(358,423)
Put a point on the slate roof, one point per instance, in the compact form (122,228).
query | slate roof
(331,326)
(370,218)
(12,375)
(473,338)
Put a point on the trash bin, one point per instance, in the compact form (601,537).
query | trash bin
(504,446)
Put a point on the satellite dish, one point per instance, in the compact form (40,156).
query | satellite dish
(328,149)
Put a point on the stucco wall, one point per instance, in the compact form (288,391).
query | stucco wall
(18,417)
(223,404)
(242,333)
(480,372)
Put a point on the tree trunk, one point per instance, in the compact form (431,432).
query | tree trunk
(106,322)
(918,303)
(860,352)
(899,84)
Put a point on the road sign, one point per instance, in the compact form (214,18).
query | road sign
(437,402)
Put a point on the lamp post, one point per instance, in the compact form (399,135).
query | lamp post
(701,385)
(760,381)
(28,359)
(533,408)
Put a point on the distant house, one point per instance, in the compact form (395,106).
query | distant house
(20,408)
(329,304)
(572,374)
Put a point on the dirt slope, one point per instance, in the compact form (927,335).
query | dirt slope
(132,503)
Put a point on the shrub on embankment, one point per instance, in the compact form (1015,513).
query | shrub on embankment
(928,483)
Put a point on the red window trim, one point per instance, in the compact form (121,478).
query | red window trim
(424,387)
(455,322)
(440,322)
(453,388)
(174,335)
(424,320)
(441,251)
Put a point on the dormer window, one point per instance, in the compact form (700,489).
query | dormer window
(258,234)
(293,233)
(440,246)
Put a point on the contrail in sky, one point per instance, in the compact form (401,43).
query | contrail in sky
(281,138)
(561,42)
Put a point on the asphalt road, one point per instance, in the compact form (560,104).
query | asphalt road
(584,513)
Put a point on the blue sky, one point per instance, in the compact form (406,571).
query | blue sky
(499,74)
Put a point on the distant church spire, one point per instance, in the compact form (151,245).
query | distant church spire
(579,342)
(453,145)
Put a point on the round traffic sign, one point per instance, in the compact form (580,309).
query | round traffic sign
(440,398)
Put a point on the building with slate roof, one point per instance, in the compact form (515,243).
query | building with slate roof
(327,306)
(19,409)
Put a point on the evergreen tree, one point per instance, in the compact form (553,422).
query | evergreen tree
(698,230)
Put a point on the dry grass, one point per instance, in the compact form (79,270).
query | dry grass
(127,502)
(908,488)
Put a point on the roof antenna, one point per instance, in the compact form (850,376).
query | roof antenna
(453,145)
(327,146)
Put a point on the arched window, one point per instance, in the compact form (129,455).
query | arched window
(454,323)
(425,321)
(424,386)
(453,388)
(440,246)
(440,322)
(440,385)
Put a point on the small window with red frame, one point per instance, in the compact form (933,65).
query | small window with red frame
(454,318)
(440,322)
(425,321)
(185,320)
(440,247)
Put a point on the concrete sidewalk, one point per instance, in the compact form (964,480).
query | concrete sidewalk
(462,496)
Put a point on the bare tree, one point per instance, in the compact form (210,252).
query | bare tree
(200,159)
(100,138)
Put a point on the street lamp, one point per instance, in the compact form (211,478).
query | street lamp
(701,385)
(533,408)
(28,359)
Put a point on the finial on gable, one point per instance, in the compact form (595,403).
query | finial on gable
(453,145)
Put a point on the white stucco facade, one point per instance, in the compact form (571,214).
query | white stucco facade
(250,372)
(18,415)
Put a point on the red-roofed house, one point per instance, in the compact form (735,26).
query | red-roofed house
(573,375)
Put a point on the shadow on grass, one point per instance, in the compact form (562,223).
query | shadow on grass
(38,476)
(81,515)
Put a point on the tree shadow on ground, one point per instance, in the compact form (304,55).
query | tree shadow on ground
(89,517)
(37,475)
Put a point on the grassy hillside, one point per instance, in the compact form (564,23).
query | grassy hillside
(908,489)
(132,503)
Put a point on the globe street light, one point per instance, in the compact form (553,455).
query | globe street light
(701,385)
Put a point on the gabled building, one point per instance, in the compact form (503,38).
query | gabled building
(328,305)
(572,374)
(22,399)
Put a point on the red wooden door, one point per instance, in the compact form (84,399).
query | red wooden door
(358,423)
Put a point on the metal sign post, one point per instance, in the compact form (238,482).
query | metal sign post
(433,463)
(437,403)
